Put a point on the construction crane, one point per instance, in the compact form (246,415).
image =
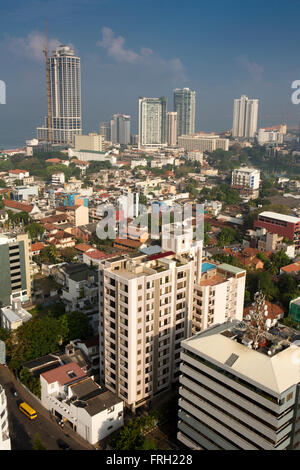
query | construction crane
(45,50)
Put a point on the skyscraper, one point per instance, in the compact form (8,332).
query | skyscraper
(172,129)
(185,106)
(120,129)
(152,122)
(105,130)
(65,97)
(245,113)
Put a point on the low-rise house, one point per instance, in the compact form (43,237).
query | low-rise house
(36,248)
(18,174)
(93,412)
(16,206)
(77,215)
(80,290)
(293,269)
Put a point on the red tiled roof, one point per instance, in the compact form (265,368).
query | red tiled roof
(97,255)
(83,247)
(37,246)
(127,242)
(60,374)
(53,160)
(291,267)
(17,172)
(18,205)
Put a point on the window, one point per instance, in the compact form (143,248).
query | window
(289,397)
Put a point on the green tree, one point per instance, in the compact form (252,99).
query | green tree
(78,326)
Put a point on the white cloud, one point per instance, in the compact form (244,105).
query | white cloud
(32,45)
(116,50)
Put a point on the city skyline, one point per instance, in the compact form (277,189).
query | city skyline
(113,55)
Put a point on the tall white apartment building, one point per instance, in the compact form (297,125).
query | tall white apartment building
(65,97)
(92,141)
(185,107)
(172,129)
(203,142)
(245,178)
(245,115)
(146,305)
(149,304)
(152,122)
(120,129)
(236,397)
(4,428)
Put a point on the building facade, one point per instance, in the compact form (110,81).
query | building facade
(185,107)
(92,141)
(172,129)
(152,122)
(245,178)
(120,129)
(15,275)
(245,115)
(145,311)
(203,142)
(235,397)
(285,225)
(65,97)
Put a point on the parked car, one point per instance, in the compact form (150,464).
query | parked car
(63,445)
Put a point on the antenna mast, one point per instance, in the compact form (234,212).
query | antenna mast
(45,50)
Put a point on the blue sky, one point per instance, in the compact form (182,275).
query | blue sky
(130,48)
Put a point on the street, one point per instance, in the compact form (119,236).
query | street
(23,430)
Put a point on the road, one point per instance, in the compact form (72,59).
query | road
(22,430)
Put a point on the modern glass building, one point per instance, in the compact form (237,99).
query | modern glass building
(120,129)
(185,107)
(152,122)
(65,97)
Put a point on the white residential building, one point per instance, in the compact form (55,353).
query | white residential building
(145,309)
(152,122)
(149,303)
(4,428)
(245,178)
(70,394)
(58,178)
(218,296)
(245,115)
(14,316)
(196,156)
(203,142)
(269,136)
(236,394)
(92,141)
